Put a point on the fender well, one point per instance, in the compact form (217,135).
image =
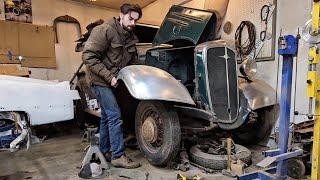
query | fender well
(150,83)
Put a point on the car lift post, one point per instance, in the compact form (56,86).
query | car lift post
(312,36)
(288,49)
(313,91)
(288,46)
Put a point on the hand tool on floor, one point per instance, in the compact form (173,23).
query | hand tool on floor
(184,177)
(184,162)
(206,170)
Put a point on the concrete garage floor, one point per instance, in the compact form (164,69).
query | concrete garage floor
(60,156)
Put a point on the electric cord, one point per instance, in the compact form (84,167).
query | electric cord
(264,16)
(265,10)
(248,46)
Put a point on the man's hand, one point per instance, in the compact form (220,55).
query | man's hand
(114,82)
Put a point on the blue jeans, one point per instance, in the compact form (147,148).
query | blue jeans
(111,136)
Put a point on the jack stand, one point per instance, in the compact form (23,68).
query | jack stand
(94,149)
(288,46)
(229,171)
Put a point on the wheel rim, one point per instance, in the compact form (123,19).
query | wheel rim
(152,130)
(149,130)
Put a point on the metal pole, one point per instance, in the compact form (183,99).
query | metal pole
(285,106)
(229,154)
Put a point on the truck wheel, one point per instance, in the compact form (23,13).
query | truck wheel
(157,131)
(260,130)
(199,154)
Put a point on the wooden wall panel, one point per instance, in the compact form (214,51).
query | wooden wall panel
(35,62)
(9,38)
(34,43)
(13,70)
(5,60)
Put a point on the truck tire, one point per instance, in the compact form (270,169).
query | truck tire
(218,162)
(157,131)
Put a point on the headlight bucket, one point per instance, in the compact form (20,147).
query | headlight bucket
(248,68)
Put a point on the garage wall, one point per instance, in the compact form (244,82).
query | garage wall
(292,14)
(44,12)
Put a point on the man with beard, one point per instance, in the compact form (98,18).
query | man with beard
(109,48)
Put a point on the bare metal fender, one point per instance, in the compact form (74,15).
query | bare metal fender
(258,93)
(150,83)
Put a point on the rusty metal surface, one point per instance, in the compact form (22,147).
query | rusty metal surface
(304,127)
(305,130)
(149,130)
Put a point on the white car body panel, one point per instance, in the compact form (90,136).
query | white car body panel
(44,101)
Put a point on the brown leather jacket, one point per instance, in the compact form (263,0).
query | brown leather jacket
(108,49)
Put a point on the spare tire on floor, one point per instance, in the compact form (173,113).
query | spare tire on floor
(218,162)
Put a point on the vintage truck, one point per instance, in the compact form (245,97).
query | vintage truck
(189,84)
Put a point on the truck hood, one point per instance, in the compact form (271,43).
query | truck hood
(182,23)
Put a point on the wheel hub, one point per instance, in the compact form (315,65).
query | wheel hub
(149,130)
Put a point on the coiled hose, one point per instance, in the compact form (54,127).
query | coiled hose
(244,49)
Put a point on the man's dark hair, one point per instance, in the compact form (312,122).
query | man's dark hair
(126,8)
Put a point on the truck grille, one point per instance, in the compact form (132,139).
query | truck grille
(223,84)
